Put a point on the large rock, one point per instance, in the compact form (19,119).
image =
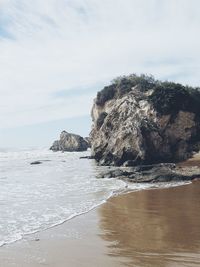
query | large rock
(70,142)
(137,120)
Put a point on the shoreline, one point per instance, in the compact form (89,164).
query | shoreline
(122,192)
(84,238)
(26,236)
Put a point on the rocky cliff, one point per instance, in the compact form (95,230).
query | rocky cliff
(70,142)
(139,120)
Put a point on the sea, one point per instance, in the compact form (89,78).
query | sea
(34,198)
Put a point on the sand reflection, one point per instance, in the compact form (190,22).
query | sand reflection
(154,227)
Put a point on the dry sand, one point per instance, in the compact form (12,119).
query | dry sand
(146,228)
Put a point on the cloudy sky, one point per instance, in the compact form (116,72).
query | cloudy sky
(56,54)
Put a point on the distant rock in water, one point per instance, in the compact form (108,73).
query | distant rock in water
(36,163)
(70,142)
(139,120)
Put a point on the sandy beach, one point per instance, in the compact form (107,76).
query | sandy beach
(99,133)
(145,228)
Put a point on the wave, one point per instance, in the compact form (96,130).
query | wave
(36,198)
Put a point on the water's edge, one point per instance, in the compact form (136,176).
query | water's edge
(126,190)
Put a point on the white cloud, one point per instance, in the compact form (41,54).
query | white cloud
(64,44)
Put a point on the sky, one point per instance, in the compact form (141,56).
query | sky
(56,54)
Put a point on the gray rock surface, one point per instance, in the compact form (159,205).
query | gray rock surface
(88,140)
(133,125)
(154,173)
(70,142)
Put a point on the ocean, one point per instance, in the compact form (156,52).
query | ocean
(37,197)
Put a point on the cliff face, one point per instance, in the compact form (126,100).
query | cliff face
(138,120)
(70,142)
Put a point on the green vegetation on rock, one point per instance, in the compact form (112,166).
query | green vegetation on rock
(124,84)
(167,97)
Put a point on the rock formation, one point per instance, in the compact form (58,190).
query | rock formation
(88,140)
(70,142)
(138,120)
(163,172)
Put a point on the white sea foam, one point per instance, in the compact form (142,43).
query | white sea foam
(36,197)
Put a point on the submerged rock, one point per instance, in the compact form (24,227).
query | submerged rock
(86,157)
(70,142)
(138,120)
(36,162)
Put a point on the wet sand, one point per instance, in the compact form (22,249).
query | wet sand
(158,228)
(155,227)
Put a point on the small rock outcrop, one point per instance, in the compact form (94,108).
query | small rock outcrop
(164,172)
(70,142)
(139,120)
